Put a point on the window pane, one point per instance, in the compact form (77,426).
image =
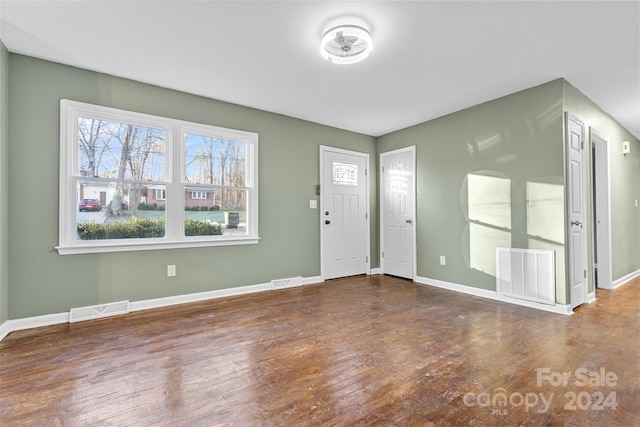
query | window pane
(223,212)
(114,210)
(345,174)
(124,164)
(217,161)
(116,150)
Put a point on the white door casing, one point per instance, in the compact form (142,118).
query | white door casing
(576,208)
(344,213)
(602,202)
(397,213)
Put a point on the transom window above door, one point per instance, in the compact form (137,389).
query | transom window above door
(345,173)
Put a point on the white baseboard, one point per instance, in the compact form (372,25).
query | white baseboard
(53,319)
(57,318)
(311,280)
(4,329)
(484,293)
(33,322)
(375,271)
(624,279)
(195,297)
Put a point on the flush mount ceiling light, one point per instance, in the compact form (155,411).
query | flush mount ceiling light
(346,44)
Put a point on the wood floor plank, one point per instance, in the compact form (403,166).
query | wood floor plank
(358,351)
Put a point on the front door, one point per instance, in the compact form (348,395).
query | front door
(344,213)
(577,211)
(397,171)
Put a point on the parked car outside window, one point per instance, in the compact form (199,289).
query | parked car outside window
(89,205)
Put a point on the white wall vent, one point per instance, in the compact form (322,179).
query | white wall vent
(527,274)
(97,311)
(286,283)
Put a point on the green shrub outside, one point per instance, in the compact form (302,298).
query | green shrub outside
(202,208)
(156,207)
(138,228)
(148,206)
(194,227)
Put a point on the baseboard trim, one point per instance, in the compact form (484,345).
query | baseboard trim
(4,329)
(195,297)
(52,319)
(624,279)
(375,271)
(311,280)
(33,322)
(484,293)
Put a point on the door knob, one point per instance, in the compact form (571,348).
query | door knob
(409,221)
(327,222)
(576,223)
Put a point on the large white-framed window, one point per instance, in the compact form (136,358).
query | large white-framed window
(135,175)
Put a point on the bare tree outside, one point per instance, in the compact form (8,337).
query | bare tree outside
(218,162)
(91,145)
(128,154)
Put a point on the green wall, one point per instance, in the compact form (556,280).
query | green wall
(42,282)
(518,140)
(625,181)
(4,184)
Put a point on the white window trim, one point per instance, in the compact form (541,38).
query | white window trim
(174,237)
(156,194)
(195,195)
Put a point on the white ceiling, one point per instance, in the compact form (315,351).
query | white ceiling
(429,58)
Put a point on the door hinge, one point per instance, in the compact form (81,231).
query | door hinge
(382,254)
(585,273)
(365,172)
(383,169)
(367,259)
(366,216)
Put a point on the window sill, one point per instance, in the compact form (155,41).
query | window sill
(140,245)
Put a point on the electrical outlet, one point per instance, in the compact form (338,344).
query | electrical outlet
(636,203)
(313,204)
(443,260)
(171,270)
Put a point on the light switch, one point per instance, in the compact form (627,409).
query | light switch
(313,204)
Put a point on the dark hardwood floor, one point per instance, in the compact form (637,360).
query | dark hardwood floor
(359,351)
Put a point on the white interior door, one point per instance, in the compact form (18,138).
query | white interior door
(344,213)
(576,207)
(397,210)
(602,215)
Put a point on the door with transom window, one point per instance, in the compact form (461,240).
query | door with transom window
(344,212)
